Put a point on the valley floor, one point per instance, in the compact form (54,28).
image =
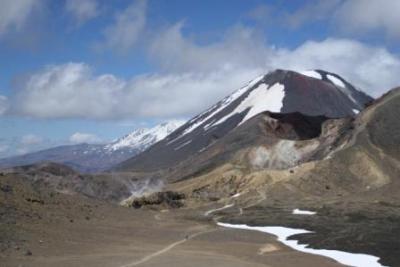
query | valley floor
(121,237)
(41,228)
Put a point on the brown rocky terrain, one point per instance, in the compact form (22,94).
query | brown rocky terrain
(40,228)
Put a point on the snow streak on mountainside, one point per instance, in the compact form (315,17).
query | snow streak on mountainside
(93,158)
(311,93)
(263,98)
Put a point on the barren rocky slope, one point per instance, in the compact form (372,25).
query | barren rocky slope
(354,187)
(63,179)
(346,169)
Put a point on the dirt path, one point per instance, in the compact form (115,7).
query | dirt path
(209,212)
(166,249)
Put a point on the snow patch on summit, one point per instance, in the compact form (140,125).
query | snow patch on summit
(335,81)
(312,73)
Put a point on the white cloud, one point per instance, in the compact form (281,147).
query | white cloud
(371,68)
(70,90)
(365,16)
(3,104)
(79,138)
(350,16)
(180,95)
(194,76)
(127,28)
(3,149)
(30,140)
(312,11)
(14,14)
(82,10)
(262,14)
(240,47)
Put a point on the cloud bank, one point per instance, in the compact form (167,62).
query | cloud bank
(190,76)
(193,77)
(349,16)
(358,16)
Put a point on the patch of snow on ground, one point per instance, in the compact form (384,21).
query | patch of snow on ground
(283,233)
(356,111)
(303,212)
(214,210)
(312,73)
(236,195)
(262,98)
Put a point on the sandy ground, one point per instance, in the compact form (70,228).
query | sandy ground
(121,237)
(39,228)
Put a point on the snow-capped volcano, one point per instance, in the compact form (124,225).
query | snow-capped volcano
(93,158)
(311,93)
(285,92)
(142,138)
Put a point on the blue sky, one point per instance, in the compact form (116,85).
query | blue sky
(105,68)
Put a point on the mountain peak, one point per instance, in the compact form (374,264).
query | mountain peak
(142,138)
(312,93)
(315,93)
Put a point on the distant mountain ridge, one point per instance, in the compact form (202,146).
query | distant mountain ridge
(97,157)
(144,137)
